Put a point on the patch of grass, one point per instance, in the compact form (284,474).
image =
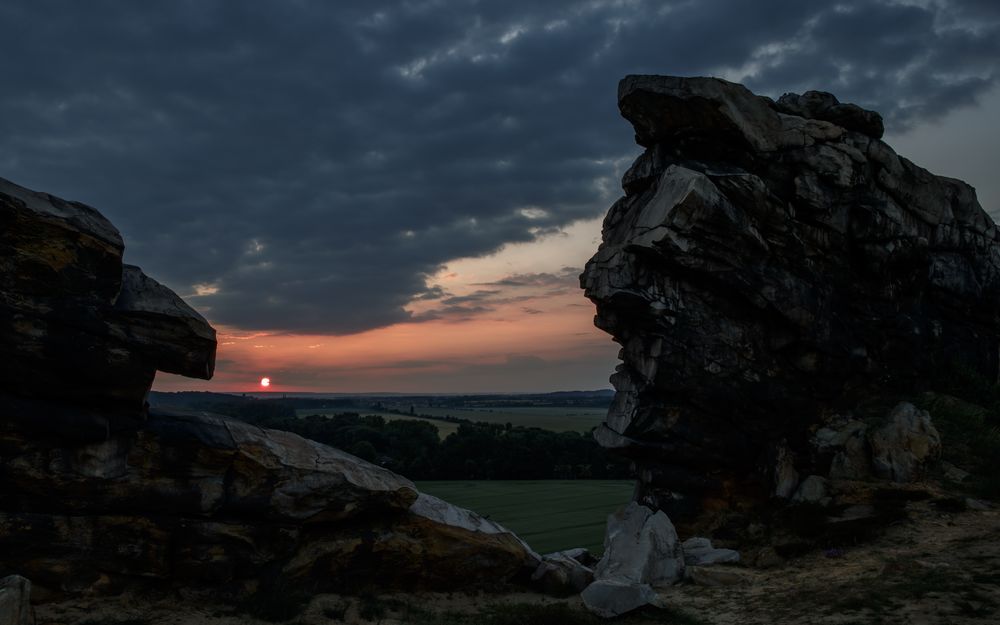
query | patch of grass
(550,515)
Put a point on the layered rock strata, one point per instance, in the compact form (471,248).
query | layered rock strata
(97,493)
(771,263)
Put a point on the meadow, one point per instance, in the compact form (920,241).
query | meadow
(551,515)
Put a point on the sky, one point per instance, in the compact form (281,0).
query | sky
(399,196)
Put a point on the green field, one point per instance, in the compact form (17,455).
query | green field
(550,515)
(444,427)
(546,417)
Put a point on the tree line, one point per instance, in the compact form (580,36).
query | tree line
(476,451)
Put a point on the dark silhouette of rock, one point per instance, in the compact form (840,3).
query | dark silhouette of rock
(771,262)
(78,326)
(98,492)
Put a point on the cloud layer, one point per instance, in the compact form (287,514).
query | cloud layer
(306,166)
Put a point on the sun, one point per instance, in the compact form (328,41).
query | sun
(265,382)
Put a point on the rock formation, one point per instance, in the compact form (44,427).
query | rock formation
(79,329)
(641,551)
(97,492)
(770,264)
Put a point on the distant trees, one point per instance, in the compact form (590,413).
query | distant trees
(477,451)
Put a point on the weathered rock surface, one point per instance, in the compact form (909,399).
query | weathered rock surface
(698,551)
(561,575)
(96,493)
(898,447)
(609,598)
(15,601)
(206,499)
(814,489)
(769,263)
(641,550)
(79,328)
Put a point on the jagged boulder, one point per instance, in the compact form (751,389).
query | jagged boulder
(902,448)
(641,550)
(699,551)
(771,262)
(559,574)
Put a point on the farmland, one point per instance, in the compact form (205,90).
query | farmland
(552,418)
(550,515)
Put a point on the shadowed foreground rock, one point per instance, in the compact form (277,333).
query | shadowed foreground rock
(97,494)
(772,263)
(76,326)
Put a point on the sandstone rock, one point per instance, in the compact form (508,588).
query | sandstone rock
(700,552)
(609,598)
(825,106)
(580,554)
(844,441)
(771,263)
(954,473)
(202,497)
(813,490)
(15,601)
(641,549)
(78,327)
(905,444)
(641,546)
(561,576)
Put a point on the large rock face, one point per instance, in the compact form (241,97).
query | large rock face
(770,261)
(77,327)
(96,493)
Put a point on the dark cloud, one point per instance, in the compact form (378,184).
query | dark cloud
(305,165)
(568,275)
(476,296)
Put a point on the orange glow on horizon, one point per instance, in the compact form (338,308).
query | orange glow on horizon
(527,328)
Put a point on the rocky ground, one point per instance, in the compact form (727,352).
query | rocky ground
(941,565)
